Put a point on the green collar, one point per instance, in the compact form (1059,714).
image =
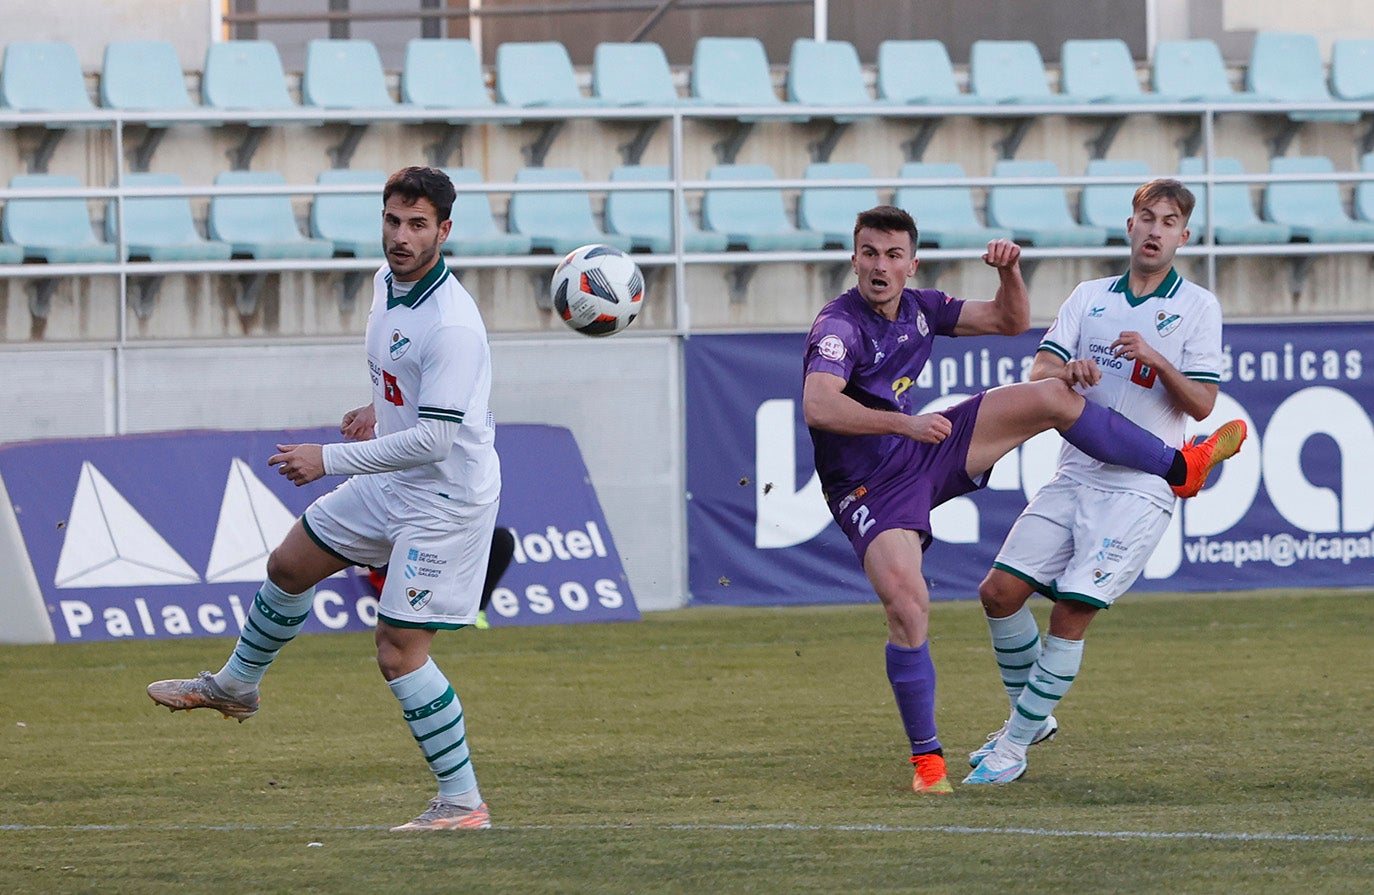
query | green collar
(1166,289)
(421,290)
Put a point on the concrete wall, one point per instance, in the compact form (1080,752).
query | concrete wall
(88,25)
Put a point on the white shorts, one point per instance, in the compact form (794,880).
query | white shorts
(1076,542)
(438,562)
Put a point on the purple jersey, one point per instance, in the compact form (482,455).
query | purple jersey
(879,359)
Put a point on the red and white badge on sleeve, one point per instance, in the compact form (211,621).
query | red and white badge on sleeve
(831,348)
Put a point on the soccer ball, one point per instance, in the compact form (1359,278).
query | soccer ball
(597,290)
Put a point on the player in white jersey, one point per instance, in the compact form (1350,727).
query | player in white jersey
(423,496)
(1148,345)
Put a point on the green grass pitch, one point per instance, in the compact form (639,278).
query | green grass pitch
(1213,743)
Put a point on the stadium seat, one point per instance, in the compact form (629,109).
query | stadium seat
(344,74)
(1364,191)
(1011,71)
(444,74)
(1233,212)
(827,73)
(351,221)
(1288,68)
(830,210)
(1109,205)
(538,73)
(752,219)
(1102,71)
(918,71)
(245,75)
(161,228)
(733,71)
(474,230)
(44,77)
(1038,215)
(633,74)
(1313,210)
(1192,71)
(1352,69)
(11,254)
(557,221)
(645,217)
(57,231)
(945,216)
(260,226)
(143,75)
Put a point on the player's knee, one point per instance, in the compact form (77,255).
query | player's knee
(281,573)
(999,600)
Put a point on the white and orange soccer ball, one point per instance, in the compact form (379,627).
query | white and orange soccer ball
(597,290)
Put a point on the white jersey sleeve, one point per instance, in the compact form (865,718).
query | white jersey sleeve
(428,442)
(450,371)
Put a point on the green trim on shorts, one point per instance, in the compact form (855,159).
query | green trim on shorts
(428,626)
(305,523)
(1080,598)
(1044,589)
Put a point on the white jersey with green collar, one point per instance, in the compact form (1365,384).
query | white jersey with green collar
(430,363)
(1180,319)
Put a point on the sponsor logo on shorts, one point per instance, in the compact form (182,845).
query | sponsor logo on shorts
(831,348)
(852,496)
(417,598)
(1167,323)
(399,344)
(421,556)
(1100,578)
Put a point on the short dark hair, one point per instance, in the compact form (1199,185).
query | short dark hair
(888,219)
(1169,190)
(417,182)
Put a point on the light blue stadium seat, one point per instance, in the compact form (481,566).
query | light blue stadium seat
(753,219)
(827,73)
(1234,221)
(945,216)
(1352,68)
(1011,71)
(1289,68)
(733,71)
(557,221)
(1109,205)
(1102,71)
(57,231)
(143,75)
(645,217)
(538,73)
(1038,215)
(1193,71)
(352,221)
(445,74)
(161,228)
(633,74)
(1364,192)
(344,74)
(245,75)
(830,211)
(474,230)
(43,77)
(918,71)
(260,226)
(1313,210)
(11,254)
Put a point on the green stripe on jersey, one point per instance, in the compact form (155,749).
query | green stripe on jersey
(1056,349)
(440,413)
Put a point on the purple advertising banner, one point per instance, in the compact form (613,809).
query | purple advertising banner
(167,535)
(1294,509)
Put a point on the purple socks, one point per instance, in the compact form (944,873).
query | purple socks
(912,674)
(1108,436)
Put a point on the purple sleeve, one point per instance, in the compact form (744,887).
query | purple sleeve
(831,346)
(943,310)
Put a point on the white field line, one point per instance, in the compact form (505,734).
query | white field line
(1223,836)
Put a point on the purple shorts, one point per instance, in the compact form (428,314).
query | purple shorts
(910,483)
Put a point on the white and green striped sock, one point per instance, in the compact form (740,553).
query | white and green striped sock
(1050,679)
(273,621)
(435,717)
(1016,645)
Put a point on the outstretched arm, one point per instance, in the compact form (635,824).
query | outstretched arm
(827,407)
(1008,314)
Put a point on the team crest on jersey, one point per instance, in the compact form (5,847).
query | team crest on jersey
(921,323)
(399,344)
(417,598)
(1167,323)
(831,348)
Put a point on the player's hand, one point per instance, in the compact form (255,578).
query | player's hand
(930,428)
(1002,254)
(301,463)
(1085,373)
(359,424)
(1132,346)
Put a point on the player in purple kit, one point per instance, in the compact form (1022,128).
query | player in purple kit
(883,467)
